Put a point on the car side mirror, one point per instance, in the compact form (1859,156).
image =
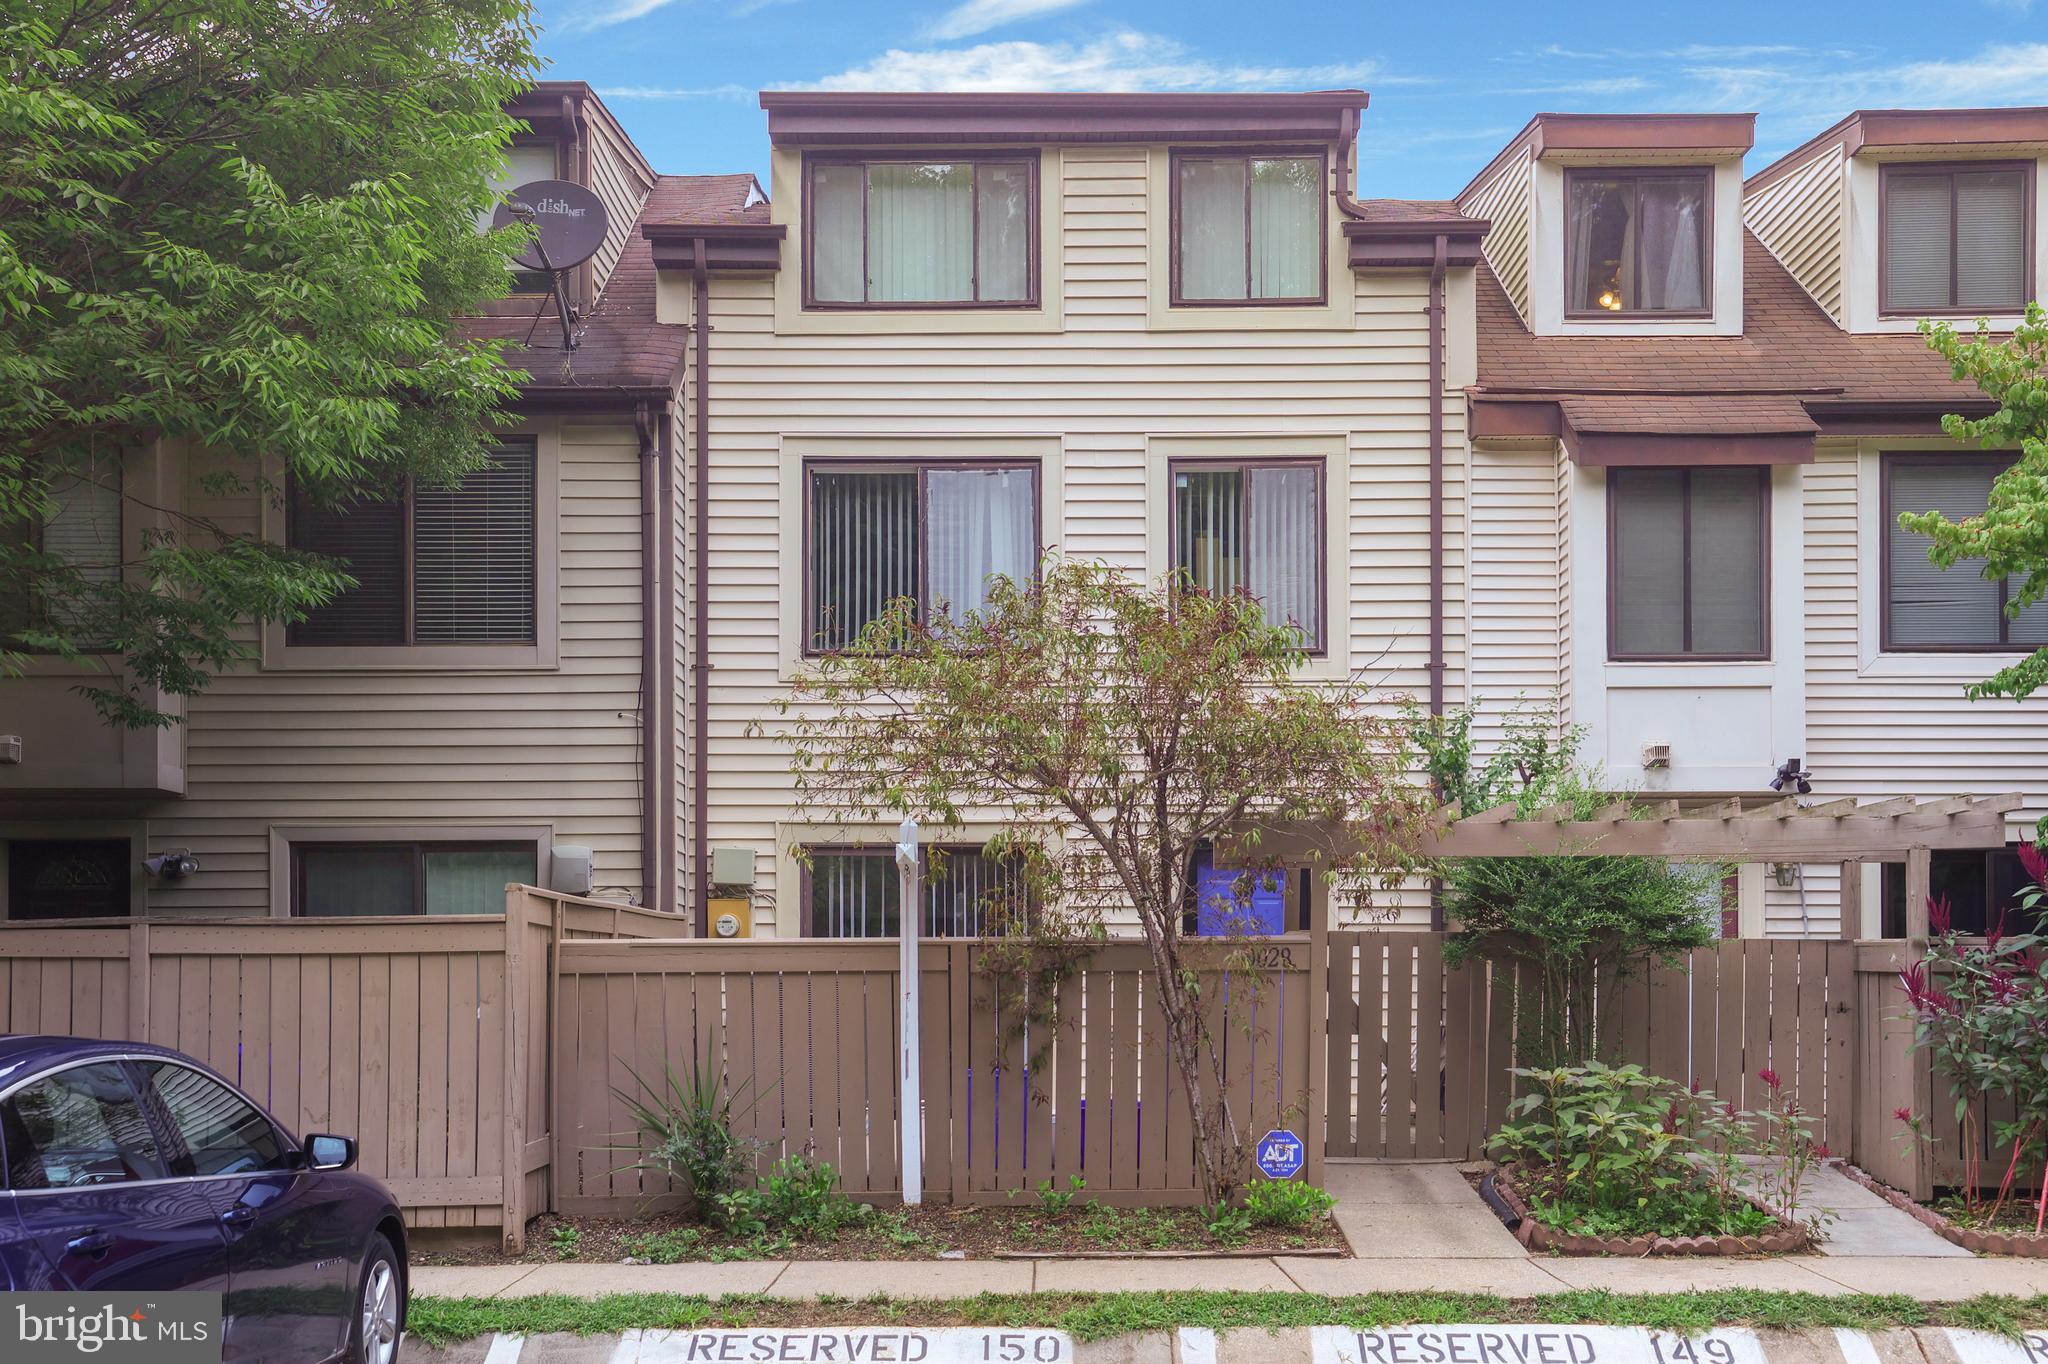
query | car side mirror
(324,1152)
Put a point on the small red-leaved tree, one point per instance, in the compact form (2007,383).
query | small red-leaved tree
(1110,727)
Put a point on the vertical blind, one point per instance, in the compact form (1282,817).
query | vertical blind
(937,535)
(902,232)
(1688,567)
(1249,227)
(338,880)
(860,894)
(1953,608)
(444,566)
(1255,528)
(1954,239)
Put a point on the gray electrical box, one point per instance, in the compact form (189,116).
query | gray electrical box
(570,872)
(732,866)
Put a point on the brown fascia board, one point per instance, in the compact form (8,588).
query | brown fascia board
(547,398)
(1515,418)
(541,107)
(1605,449)
(1932,129)
(1411,245)
(869,119)
(1911,417)
(727,246)
(1703,134)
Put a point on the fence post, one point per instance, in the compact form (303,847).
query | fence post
(909,993)
(1316,1121)
(513,1170)
(138,981)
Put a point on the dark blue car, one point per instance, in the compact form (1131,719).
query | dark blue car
(135,1168)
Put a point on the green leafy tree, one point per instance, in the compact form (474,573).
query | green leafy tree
(1111,728)
(242,228)
(2010,540)
(1580,920)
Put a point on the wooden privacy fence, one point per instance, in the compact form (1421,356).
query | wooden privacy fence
(805,1033)
(424,1039)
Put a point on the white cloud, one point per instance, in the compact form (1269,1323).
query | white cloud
(738,92)
(979,16)
(618,12)
(1122,61)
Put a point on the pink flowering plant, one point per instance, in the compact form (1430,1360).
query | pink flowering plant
(1980,1011)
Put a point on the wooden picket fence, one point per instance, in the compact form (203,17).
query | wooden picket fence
(805,1034)
(480,1062)
(1421,1055)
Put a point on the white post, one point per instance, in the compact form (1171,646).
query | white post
(910,1119)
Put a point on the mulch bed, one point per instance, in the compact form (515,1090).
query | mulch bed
(1979,1240)
(1537,1237)
(930,1232)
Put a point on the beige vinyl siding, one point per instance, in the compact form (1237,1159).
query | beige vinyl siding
(1106,395)
(1519,645)
(1802,218)
(1504,199)
(619,178)
(355,748)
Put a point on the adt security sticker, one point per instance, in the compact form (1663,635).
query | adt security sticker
(1280,1155)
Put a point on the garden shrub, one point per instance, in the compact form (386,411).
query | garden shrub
(686,1126)
(1285,1203)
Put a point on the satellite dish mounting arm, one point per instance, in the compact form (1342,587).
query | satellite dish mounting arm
(526,215)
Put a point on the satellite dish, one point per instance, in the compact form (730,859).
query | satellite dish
(571,222)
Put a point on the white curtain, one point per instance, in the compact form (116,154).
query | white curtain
(1285,548)
(1671,213)
(920,232)
(980,524)
(838,267)
(1003,249)
(1212,229)
(1286,217)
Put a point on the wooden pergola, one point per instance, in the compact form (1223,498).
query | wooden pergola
(1846,832)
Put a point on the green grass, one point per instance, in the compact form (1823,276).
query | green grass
(1092,1316)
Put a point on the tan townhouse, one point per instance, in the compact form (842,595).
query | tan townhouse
(488,704)
(1701,403)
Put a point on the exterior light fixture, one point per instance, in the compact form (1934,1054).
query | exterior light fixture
(1790,774)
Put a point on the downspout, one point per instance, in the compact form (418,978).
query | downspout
(650,636)
(1436,521)
(700,661)
(665,650)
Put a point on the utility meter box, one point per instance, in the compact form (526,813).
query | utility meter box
(732,867)
(731,917)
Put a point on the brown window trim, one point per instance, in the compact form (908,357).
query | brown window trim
(919,467)
(1174,156)
(1887,463)
(1214,463)
(409,584)
(1027,157)
(1704,174)
(1614,655)
(878,851)
(1885,172)
(420,849)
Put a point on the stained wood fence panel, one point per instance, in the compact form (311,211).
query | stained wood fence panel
(1420,1053)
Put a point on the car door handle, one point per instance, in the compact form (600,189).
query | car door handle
(236,1217)
(92,1243)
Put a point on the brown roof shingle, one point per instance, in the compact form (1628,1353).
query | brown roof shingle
(1788,346)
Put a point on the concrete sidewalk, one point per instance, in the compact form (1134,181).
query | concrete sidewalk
(1928,1278)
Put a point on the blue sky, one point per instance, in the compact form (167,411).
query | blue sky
(1449,83)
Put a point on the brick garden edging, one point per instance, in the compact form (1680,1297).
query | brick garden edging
(1537,1237)
(1969,1238)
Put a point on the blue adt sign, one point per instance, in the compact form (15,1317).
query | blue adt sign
(1279,1155)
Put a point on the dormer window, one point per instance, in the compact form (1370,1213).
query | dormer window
(895,233)
(525,162)
(1955,239)
(1637,241)
(1248,229)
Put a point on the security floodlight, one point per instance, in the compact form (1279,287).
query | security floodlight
(1790,774)
(174,865)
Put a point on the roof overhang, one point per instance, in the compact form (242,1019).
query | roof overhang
(1917,418)
(1648,429)
(1411,244)
(727,246)
(1607,449)
(1887,134)
(622,398)
(866,119)
(1639,137)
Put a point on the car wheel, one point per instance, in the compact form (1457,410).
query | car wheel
(373,1330)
